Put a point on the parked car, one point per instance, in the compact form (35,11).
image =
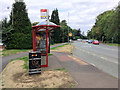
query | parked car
(95,42)
(89,41)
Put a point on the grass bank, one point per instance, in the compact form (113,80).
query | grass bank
(13,51)
(63,48)
(58,47)
(113,44)
(26,60)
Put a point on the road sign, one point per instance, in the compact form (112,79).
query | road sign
(44,13)
(70,34)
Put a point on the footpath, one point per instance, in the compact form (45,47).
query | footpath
(86,75)
(6,59)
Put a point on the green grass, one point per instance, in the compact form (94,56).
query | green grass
(13,51)
(49,54)
(26,60)
(58,47)
(62,69)
(113,44)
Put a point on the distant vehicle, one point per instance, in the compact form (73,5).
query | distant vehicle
(70,40)
(86,40)
(89,41)
(79,39)
(95,42)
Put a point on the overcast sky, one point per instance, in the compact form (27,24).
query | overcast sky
(82,13)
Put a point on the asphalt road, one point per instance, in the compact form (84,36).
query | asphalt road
(101,56)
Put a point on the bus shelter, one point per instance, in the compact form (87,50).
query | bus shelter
(41,40)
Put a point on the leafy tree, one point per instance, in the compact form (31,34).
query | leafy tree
(33,24)
(79,33)
(56,34)
(106,26)
(21,37)
(64,30)
(74,33)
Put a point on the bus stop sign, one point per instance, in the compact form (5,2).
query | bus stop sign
(44,13)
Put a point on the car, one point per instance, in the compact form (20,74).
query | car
(86,40)
(95,42)
(70,40)
(79,40)
(89,41)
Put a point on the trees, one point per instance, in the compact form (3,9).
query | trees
(64,30)
(106,26)
(56,34)
(20,29)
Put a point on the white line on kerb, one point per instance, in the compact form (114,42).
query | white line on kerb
(93,64)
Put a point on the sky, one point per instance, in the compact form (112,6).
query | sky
(78,13)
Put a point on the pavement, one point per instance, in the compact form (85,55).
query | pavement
(6,59)
(86,75)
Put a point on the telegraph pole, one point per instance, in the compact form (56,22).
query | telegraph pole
(68,27)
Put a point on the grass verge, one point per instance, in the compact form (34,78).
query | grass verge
(58,46)
(49,54)
(26,60)
(113,44)
(13,51)
(61,69)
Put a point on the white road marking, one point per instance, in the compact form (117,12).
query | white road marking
(93,54)
(93,64)
(108,60)
(97,55)
(88,52)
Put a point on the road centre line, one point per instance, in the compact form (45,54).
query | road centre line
(108,60)
(97,55)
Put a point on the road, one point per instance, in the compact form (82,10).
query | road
(101,56)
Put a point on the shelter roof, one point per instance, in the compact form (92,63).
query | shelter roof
(42,26)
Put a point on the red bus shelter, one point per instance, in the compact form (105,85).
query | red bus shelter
(41,39)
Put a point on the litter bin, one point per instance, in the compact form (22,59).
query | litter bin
(34,63)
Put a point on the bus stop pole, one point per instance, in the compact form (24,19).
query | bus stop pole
(34,40)
(46,46)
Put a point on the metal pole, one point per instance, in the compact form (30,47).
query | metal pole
(12,14)
(68,27)
(112,39)
(47,40)
(34,46)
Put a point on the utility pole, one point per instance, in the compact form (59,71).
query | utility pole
(68,27)
(12,14)
(102,39)
(112,39)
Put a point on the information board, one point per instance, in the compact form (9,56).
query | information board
(34,63)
